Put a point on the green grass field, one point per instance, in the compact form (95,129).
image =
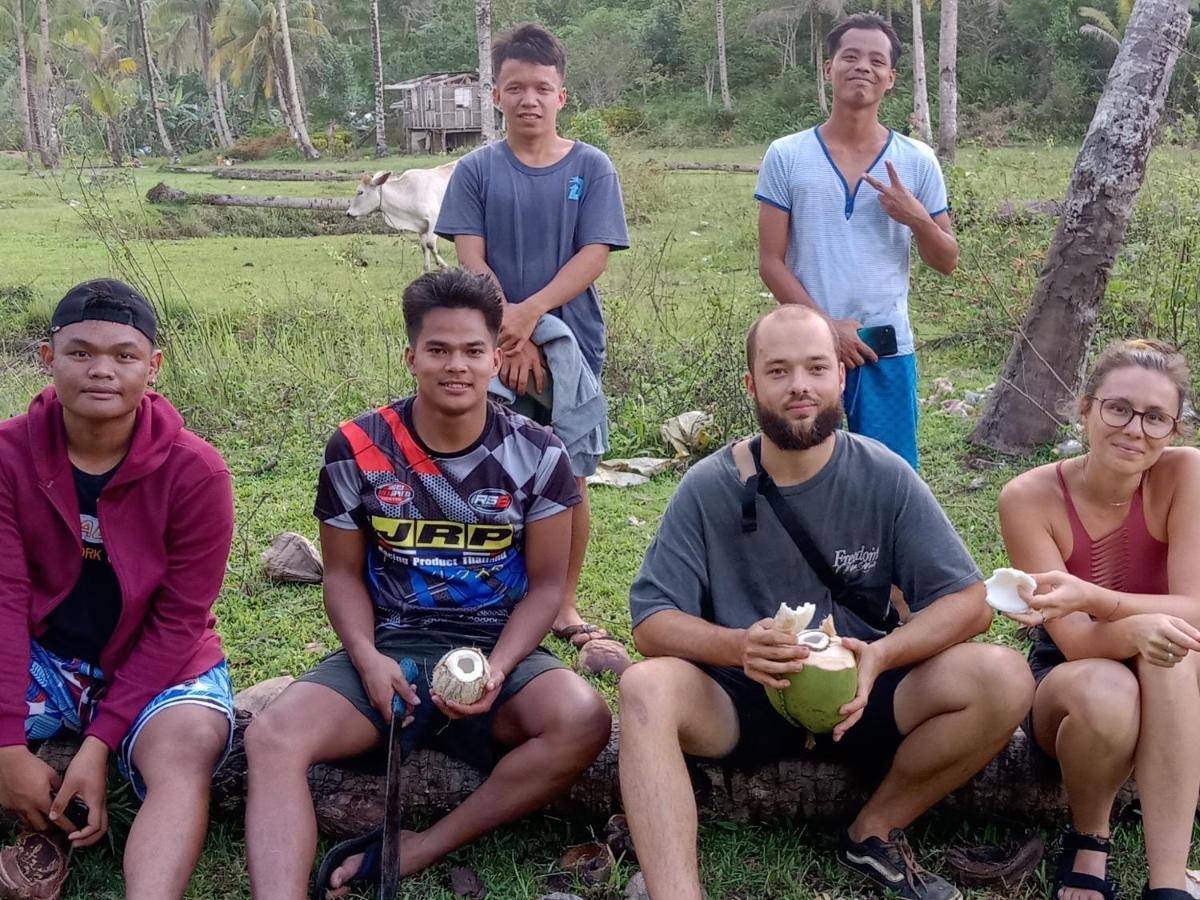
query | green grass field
(274,334)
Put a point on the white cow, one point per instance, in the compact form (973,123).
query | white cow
(409,202)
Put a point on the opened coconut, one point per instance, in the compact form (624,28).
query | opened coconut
(461,676)
(1003,593)
(828,681)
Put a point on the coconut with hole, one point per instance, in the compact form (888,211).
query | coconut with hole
(461,676)
(828,681)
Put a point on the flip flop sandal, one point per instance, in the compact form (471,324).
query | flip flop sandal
(1193,884)
(1065,876)
(1149,893)
(369,844)
(585,630)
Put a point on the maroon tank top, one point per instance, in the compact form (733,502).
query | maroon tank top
(1127,559)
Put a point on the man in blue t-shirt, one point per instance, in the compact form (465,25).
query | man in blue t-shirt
(539,214)
(838,207)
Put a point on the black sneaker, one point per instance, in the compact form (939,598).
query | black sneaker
(890,864)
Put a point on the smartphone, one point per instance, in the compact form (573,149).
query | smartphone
(880,338)
(77,813)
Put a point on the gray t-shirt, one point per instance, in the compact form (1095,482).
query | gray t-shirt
(535,219)
(872,518)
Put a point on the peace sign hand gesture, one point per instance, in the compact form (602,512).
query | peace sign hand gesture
(896,199)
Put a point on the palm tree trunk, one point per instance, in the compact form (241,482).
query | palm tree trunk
(1047,360)
(301,101)
(222,106)
(116,141)
(48,141)
(281,101)
(722,66)
(948,81)
(153,83)
(23,64)
(211,85)
(483,47)
(292,97)
(887,11)
(815,20)
(920,89)
(381,148)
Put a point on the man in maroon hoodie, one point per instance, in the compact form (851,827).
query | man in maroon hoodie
(115,526)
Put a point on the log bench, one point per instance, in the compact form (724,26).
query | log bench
(1017,785)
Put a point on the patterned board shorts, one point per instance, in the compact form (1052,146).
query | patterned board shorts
(881,402)
(61,696)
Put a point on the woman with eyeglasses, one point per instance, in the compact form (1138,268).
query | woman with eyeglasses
(1112,539)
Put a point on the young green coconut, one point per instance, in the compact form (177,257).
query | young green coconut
(461,676)
(828,681)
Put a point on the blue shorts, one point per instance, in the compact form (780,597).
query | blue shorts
(61,697)
(881,402)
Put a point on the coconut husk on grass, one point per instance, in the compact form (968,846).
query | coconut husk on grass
(1002,867)
(293,558)
(592,862)
(467,884)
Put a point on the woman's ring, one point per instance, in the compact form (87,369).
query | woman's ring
(1172,658)
(1170,649)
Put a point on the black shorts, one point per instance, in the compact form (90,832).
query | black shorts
(765,736)
(1044,656)
(470,739)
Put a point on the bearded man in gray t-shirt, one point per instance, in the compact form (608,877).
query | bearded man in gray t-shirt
(931,709)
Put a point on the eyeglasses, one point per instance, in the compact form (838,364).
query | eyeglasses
(1118,413)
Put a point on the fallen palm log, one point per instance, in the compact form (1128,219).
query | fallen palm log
(710,167)
(246,174)
(164,193)
(1023,211)
(349,799)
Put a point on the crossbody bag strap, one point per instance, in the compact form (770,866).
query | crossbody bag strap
(839,591)
(767,487)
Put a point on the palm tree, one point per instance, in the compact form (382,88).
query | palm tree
(16,16)
(483,46)
(48,140)
(1044,365)
(948,81)
(836,9)
(818,39)
(722,65)
(153,80)
(377,64)
(103,74)
(249,44)
(185,27)
(289,72)
(213,79)
(920,89)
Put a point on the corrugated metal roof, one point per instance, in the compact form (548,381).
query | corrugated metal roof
(435,78)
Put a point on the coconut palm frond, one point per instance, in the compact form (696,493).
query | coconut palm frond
(1101,19)
(1124,11)
(1100,36)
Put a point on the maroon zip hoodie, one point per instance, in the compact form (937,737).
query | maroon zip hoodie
(167,521)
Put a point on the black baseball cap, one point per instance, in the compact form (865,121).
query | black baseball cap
(108,300)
